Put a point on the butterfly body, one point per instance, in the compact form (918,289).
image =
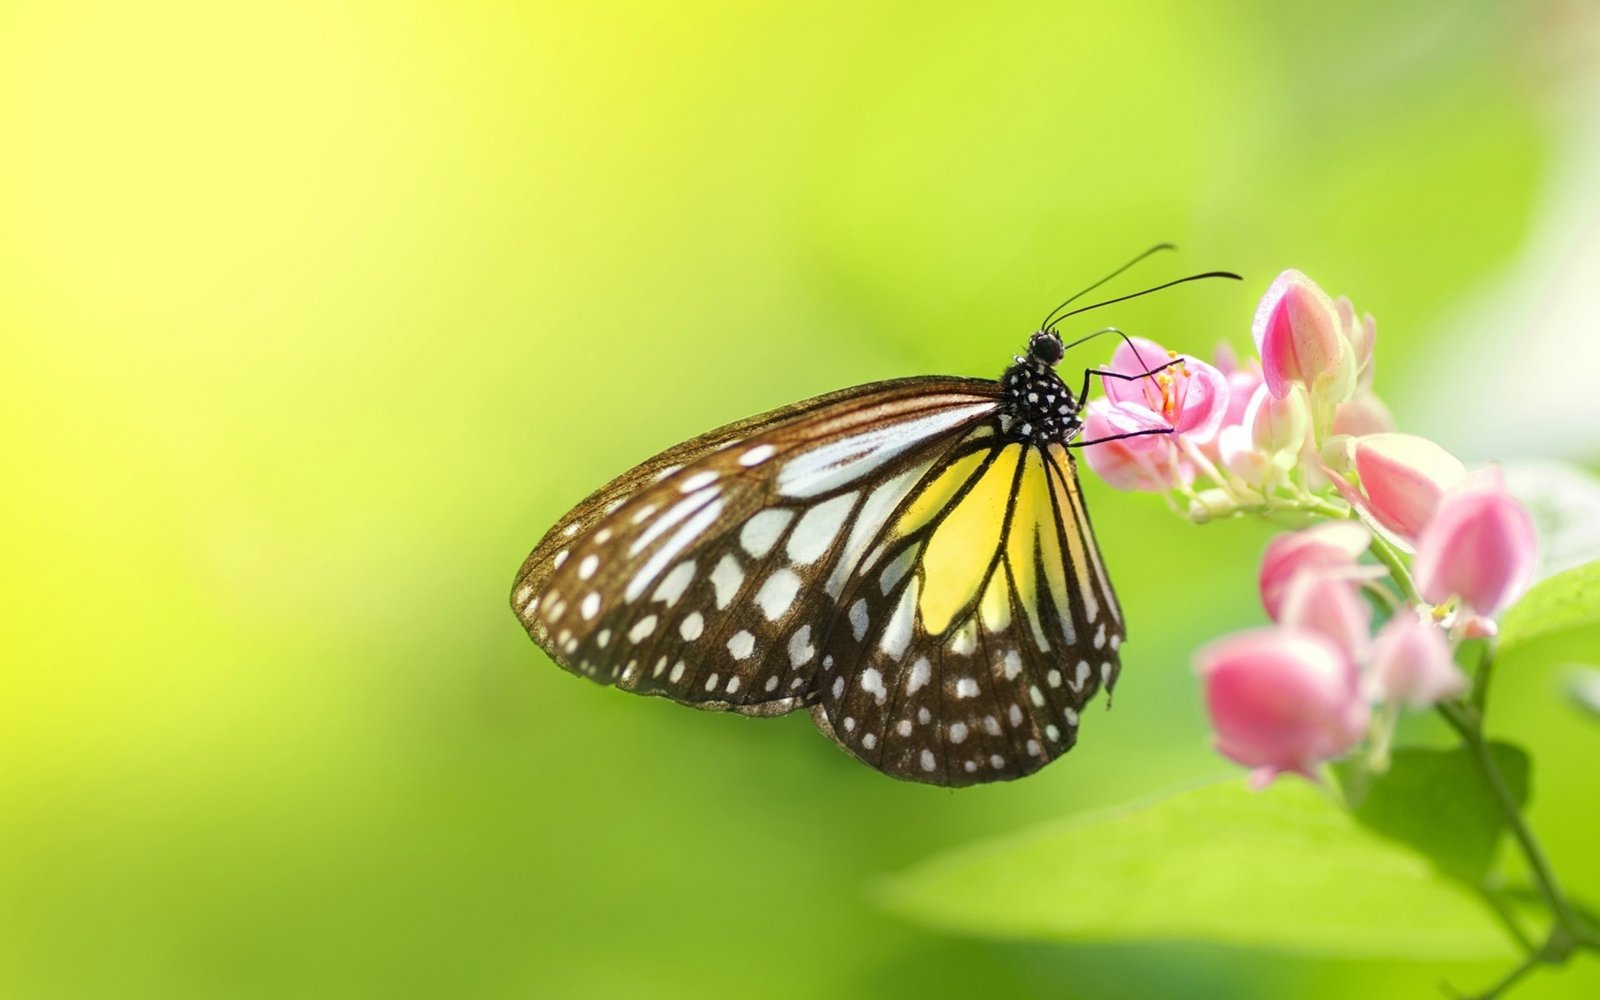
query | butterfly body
(910,560)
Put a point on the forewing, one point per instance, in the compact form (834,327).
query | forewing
(708,574)
(978,626)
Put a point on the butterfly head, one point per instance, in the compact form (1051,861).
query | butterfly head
(1045,348)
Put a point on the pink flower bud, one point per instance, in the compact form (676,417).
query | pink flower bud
(1238,454)
(1331,547)
(1329,602)
(1411,663)
(1480,546)
(1363,336)
(1279,425)
(1191,397)
(1281,699)
(1301,340)
(1362,415)
(1403,477)
(1149,462)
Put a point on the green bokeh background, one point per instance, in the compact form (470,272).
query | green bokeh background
(316,315)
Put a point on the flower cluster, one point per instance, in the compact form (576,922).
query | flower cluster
(1298,433)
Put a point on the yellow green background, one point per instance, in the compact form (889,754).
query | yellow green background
(315,315)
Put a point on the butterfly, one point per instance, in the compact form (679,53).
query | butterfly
(910,560)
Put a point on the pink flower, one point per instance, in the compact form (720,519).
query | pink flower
(1149,462)
(1362,415)
(1279,424)
(1191,397)
(1403,477)
(1301,339)
(1243,380)
(1281,699)
(1480,546)
(1329,602)
(1363,336)
(1411,663)
(1326,548)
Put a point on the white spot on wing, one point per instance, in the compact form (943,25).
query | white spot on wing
(1013,665)
(872,683)
(966,687)
(755,456)
(691,627)
(703,478)
(848,459)
(761,532)
(800,649)
(817,529)
(680,510)
(896,570)
(727,578)
(858,619)
(589,564)
(691,530)
(642,628)
(777,593)
(674,584)
(921,673)
(896,638)
(741,644)
(874,512)
(590,606)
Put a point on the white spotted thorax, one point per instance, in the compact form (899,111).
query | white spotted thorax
(910,560)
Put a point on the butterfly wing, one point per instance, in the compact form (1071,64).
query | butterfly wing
(711,573)
(978,625)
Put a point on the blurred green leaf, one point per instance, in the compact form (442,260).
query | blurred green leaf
(1583,687)
(1565,503)
(1285,869)
(1436,802)
(1565,601)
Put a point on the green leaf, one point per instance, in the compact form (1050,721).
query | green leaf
(1583,687)
(1565,503)
(1565,601)
(1436,802)
(1284,869)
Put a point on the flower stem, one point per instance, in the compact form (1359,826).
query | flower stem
(1468,723)
(1391,558)
(1554,951)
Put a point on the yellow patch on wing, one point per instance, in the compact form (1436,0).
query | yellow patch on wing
(963,545)
(1070,504)
(937,494)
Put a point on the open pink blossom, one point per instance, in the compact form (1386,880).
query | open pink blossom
(1411,663)
(1149,462)
(1191,397)
(1301,339)
(1479,546)
(1243,379)
(1331,547)
(1281,700)
(1403,476)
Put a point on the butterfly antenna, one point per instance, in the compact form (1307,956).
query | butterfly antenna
(1158,247)
(1147,291)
